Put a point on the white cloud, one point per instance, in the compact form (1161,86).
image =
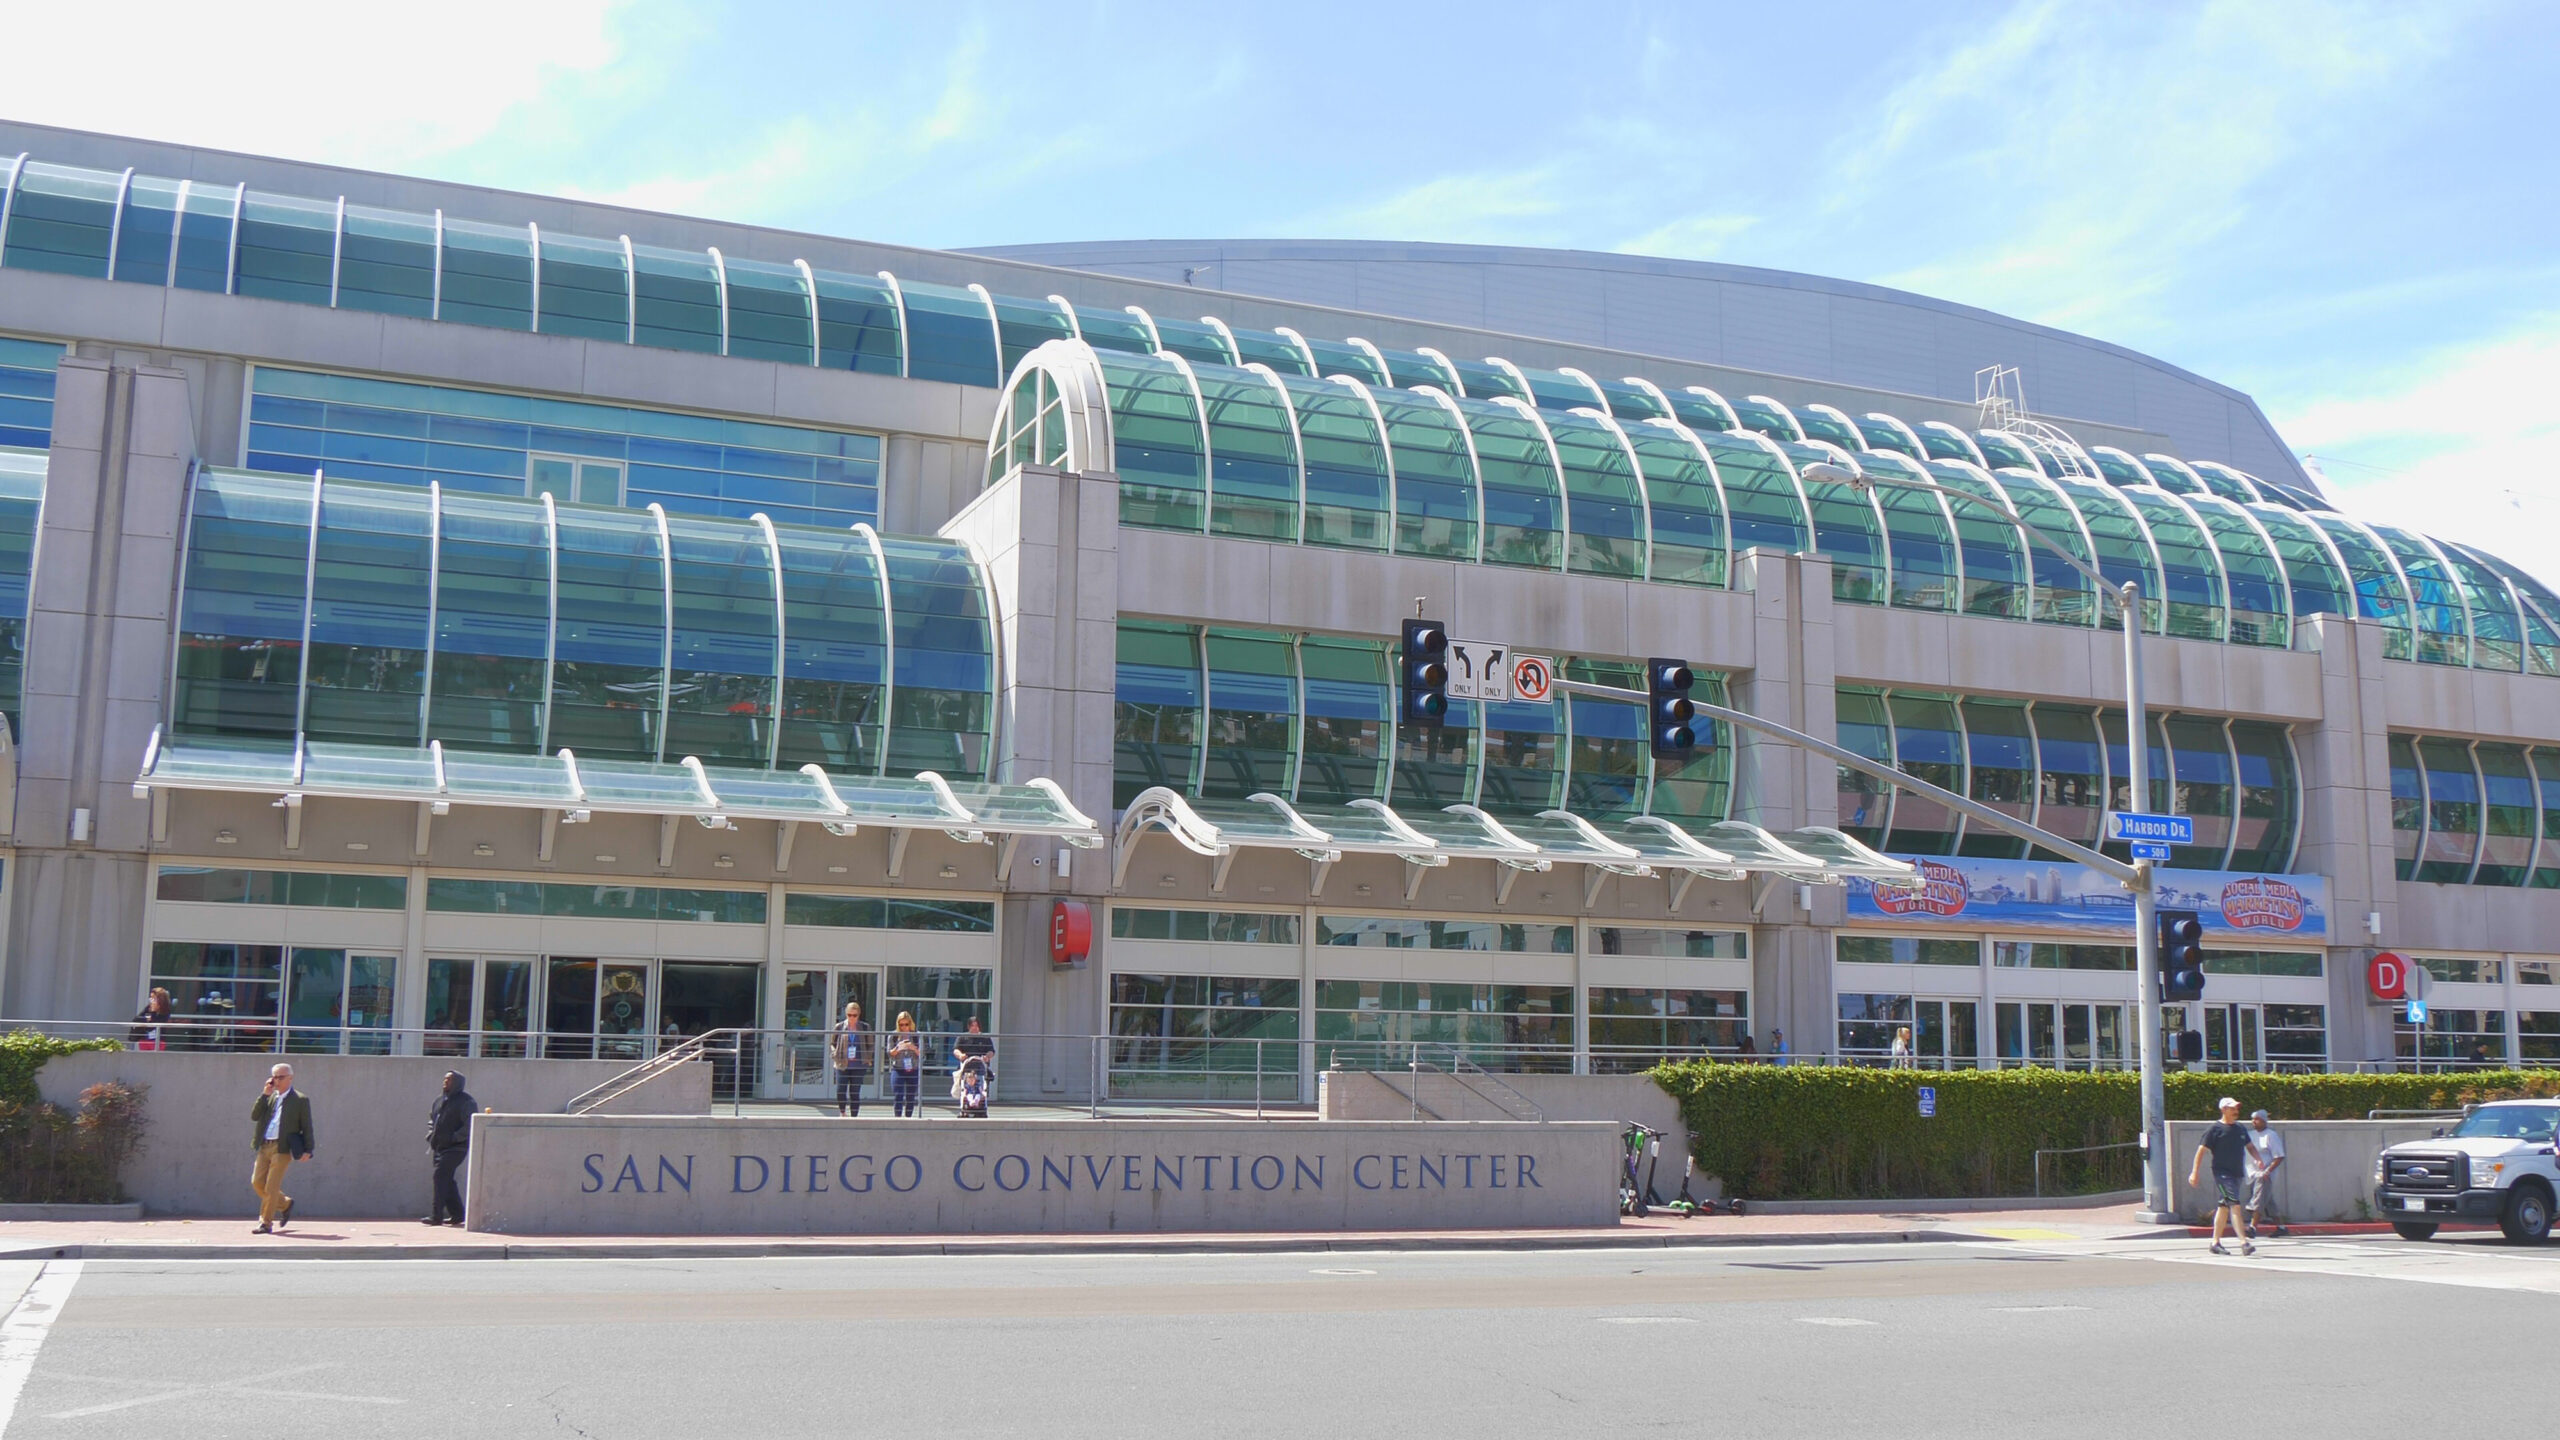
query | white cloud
(386,87)
(2463,444)
(1488,208)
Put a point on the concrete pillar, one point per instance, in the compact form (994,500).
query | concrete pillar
(98,635)
(2346,823)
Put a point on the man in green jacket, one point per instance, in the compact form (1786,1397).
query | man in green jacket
(280,1123)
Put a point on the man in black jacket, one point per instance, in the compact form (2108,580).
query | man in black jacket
(449,1140)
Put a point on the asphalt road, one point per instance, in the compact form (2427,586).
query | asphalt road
(2031,1337)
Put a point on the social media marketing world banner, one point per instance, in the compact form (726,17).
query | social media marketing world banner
(2238,910)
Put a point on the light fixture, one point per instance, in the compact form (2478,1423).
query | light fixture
(1267,889)
(1166,880)
(358,845)
(950,872)
(1364,889)
(225,837)
(484,848)
(2373,923)
(725,863)
(835,869)
(607,859)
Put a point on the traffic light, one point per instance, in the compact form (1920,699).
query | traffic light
(1423,675)
(2187,1047)
(1668,708)
(2181,957)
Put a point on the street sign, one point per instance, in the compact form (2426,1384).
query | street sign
(2386,976)
(1531,677)
(1928,1102)
(2156,829)
(2417,1012)
(2145,851)
(1479,670)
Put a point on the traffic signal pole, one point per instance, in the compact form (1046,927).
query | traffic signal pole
(2146,932)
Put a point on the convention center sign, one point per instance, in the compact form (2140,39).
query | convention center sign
(795,1175)
(2239,910)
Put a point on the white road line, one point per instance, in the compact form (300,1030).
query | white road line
(1841,1320)
(22,1334)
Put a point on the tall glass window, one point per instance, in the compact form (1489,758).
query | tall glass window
(1253,453)
(1158,445)
(2063,596)
(942,654)
(1156,709)
(288,248)
(2193,589)
(770,313)
(372,580)
(240,621)
(2382,593)
(610,635)
(950,336)
(1848,529)
(834,653)
(2270,797)
(1523,503)
(488,274)
(2318,585)
(720,687)
(1523,760)
(1685,509)
(1606,511)
(2259,614)
(2508,806)
(1923,544)
(1760,494)
(858,325)
(1992,551)
(2157,770)
(2408,807)
(1928,742)
(675,300)
(1436,764)
(493,624)
(2453,812)
(2546,781)
(61,220)
(26,392)
(1253,709)
(1435,475)
(2203,789)
(1024,325)
(2444,628)
(21,501)
(146,228)
(585,289)
(1608,758)
(2497,630)
(1346,465)
(1865,728)
(2071,772)
(1350,701)
(2000,749)
(387,263)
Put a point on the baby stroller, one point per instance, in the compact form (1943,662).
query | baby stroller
(969,1087)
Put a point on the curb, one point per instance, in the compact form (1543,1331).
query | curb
(1035,1245)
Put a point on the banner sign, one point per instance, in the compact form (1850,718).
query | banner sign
(2239,910)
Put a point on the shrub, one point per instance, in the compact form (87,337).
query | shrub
(1837,1132)
(23,1053)
(48,1156)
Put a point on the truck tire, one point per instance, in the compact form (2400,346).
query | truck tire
(2414,1229)
(2527,1216)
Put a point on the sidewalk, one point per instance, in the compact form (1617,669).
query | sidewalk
(320,1238)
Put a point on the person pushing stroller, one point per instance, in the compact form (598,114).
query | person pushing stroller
(973,1058)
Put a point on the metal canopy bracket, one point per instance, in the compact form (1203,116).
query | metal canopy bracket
(785,835)
(426,821)
(667,841)
(291,805)
(550,834)
(898,839)
(1680,880)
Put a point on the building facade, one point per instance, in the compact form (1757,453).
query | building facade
(493,624)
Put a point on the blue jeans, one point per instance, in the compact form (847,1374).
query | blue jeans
(903,1085)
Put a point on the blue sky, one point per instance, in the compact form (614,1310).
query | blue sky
(2349,211)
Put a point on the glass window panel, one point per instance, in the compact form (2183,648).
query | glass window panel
(2203,789)
(1114,330)
(288,246)
(1336,358)
(2408,806)
(1865,728)
(1253,708)
(2443,626)
(2000,751)
(372,578)
(61,220)
(2174,475)
(1760,414)
(2071,775)
(1684,508)
(1436,764)
(2156,770)
(1883,432)
(1929,744)
(2541,609)
(2124,552)
(2225,482)
(2318,586)
(1608,759)
(205,221)
(2546,778)
(2063,596)
(1760,494)
(1523,501)
(488,275)
(493,623)
(1523,769)
(2509,818)
(1907,950)
(1605,509)
(1945,442)
(146,230)
(2270,797)
(1702,410)
(1993,552)
(1923,543)
(2453,812)
(1629,403)
(240,624)
(21,499)
(2497,629)
(1158,446)
(950,336)
(585,289)
(2002,451)
(1156,710)
(675,300)
(2381,591)
(1023,326)
(834,652)
(1262,347)
(387,263)
(1435,475)
(1349,709)
(1484,380)
(769,312)
(1346,465)
(609,640)
(942,651)
(1701,787)
(1824,422)
(2257,584)
(1846,528)
(1253,473)
(1193,340)
(858,325)
(720,686)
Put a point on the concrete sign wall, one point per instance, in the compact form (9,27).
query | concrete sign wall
(690,1175)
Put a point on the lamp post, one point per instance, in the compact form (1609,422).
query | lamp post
(2146,953)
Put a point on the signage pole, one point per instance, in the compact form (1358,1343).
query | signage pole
(2146,939)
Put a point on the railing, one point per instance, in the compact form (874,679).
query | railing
(2080,1150)
(641,1074)
(1483,1086)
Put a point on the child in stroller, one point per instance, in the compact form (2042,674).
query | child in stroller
(969,1087)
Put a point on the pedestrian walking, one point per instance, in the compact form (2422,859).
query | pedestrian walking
(2227,1143)
(2266,1157)
(906,1066)
(850,1050)
(1902,1048)
(975,1044)
(449,1141)
(147,1032)
(280,1124)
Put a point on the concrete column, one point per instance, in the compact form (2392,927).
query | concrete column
(2346,823)
(98,635)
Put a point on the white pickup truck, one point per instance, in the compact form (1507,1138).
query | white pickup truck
(2497,1164)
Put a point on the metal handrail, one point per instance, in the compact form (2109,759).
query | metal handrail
(1460,1067)
(2075,1150)
(691,1049)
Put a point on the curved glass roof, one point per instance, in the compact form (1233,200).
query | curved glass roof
(2445,604)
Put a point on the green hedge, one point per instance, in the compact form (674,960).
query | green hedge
(23,1053)
(1824,1132)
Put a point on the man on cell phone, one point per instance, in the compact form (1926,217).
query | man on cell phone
(280,1124)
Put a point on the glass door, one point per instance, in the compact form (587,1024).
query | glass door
(2231,1037)
(1943,1034)
(2028,1031)
(478,1007)
(813,1003)
(337,1003)
(622,1011)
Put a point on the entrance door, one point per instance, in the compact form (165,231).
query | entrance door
(2028,1031)
(478,1007)
(2231,1037)
(337,1003)
(813,1002)
(699,997)
(595,1009)
(1942,1034)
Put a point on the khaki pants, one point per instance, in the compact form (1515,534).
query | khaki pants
(267,1178)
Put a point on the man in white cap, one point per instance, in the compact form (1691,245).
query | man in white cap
(2266,1156)
(2227,1141)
